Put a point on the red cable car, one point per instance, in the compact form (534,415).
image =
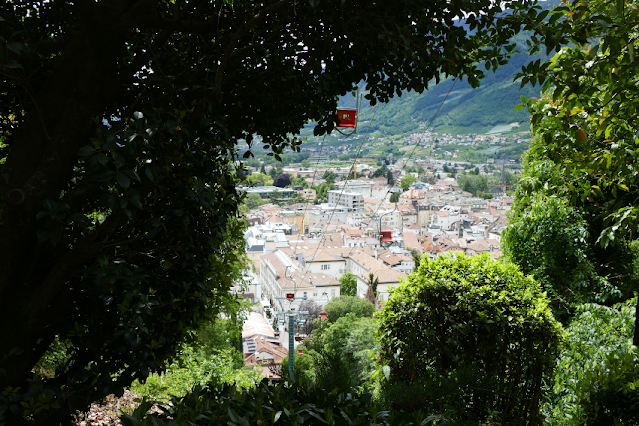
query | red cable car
(323,315)
(300,351)
(347,117)
(387,237)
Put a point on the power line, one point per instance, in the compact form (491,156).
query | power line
(414,149)
(306,208)
(351,170)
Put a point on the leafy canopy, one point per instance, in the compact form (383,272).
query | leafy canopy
(587,121)
(549,239)
(342,305)
(593,365)
(585,125)
(406,181)
(348,283)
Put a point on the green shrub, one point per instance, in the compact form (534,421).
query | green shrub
(342,305)
(549,239)
(610,394)
(268,403)
(596,378)
(195,367)
(470,335)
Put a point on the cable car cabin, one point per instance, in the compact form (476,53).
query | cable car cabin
(323,315)
(347,117)
(386,237)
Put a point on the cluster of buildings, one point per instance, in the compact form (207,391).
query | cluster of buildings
(305,248)
(429,138)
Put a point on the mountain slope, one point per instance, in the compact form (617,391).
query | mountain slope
(465,110)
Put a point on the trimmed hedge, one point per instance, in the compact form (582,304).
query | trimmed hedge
(472,336)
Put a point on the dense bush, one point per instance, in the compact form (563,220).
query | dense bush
(338,355)
(342,305)
(610,394)
(214,354)
(550,240)
(477,333)
(268,403)
(193,367)
(597,377)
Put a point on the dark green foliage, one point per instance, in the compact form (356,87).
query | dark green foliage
(338,355)
(417,257)
(475,322)
(282,180)
(275,172)
(394,198)
(406,181)
(342,305)
(562,233)
(596,376)
(381,171)
(586,121)
(549,239)
(610,395)
(373,281)
(389,176)
(476,185)
(300,403)
(321,191)
(329,177)
(253,201)
(341,354)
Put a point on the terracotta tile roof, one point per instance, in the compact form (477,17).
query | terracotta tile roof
(274,219)
(326,255)
(410,241)
(390,259)
(298,279)
(455,249)
(445,242)
(479,246)
(333,239)
(381,271)
(412,194)
(277,352)
(494,242)
(429,246)
(403,208)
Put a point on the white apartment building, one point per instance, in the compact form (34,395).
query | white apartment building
(349,200)
(357,187)
(390,219)
(282,275)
